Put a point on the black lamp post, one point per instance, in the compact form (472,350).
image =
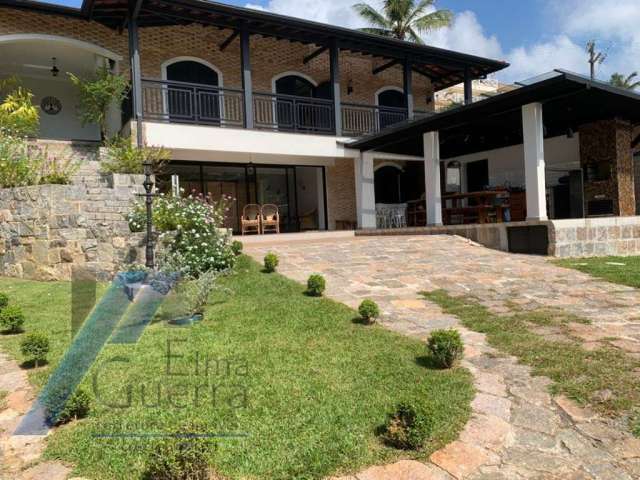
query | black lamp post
(148,188)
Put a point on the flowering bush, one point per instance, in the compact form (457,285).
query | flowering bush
(190,231)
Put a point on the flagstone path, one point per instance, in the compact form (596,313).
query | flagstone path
(517,431)
(20,454)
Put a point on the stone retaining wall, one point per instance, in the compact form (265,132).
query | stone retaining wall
(582,237)
(47,229)
(595,237)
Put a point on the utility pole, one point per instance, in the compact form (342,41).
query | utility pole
(594,58)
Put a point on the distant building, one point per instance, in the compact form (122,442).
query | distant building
(481,89)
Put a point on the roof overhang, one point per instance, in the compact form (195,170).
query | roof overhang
(443,67)
(569,100)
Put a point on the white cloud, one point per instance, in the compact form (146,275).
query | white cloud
(466,35)
(559,52)
(335,12)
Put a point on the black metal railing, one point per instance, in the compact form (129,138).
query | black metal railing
(290,113)
(360,119)
(180,102)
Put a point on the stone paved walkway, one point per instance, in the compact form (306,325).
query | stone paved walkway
(20,454)
(518,431)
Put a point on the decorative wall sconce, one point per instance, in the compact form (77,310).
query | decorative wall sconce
(350,87)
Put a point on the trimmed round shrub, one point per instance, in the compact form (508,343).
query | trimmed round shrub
(4,300)
(445,347)
(270,262)
(369,310)
(78,405)
(407,428)
(35,347)
(181,457)
(236,247)
(11,319)
(316,285)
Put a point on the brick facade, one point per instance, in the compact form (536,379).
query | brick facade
(269,57)
(341,192)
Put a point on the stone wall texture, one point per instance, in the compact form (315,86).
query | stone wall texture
(269,57)
(45,230)
(609,143)
(581,237)
(595,237)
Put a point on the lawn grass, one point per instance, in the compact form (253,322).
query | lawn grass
(622,270)
(576,372)
(306,384)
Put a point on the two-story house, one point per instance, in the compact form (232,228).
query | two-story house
(256,106)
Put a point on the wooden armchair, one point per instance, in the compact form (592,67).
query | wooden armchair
(270,218)
(250,219)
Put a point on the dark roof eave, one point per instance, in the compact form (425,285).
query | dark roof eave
(395,47)
(44,7)
(451,118)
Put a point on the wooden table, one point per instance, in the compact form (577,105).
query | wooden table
(485,205)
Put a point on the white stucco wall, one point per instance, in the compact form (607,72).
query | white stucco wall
(507,164)
(65,125)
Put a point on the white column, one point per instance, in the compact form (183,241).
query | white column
(431,141)
(365,191)
(534,166)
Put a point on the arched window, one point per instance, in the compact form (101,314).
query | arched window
(388,184)
(392,106)
(186,100)
(294,114)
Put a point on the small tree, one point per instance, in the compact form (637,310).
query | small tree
(270,262)
(316,285)
(97,94)
(368,310)
(11,319)
(35,346)
(446,347)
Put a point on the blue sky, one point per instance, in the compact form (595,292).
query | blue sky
(533,35)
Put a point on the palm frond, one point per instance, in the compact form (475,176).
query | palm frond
(370,14)
(433,21)
(414,37)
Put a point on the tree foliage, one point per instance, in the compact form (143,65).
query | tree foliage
(97,94)
(628,82)
(404,19)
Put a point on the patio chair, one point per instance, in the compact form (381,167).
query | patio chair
(270,218)
(250,219)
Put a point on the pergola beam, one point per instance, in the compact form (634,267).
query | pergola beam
(384,67)
(314,54)
(228,40)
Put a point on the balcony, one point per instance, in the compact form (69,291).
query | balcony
(189,103)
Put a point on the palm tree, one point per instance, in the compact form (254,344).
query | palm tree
(620,81)
(403,19)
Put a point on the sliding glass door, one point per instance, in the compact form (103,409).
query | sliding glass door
(297,191)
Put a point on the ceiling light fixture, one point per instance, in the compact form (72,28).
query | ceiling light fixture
(54,70)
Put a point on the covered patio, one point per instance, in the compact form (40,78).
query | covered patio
(524,165)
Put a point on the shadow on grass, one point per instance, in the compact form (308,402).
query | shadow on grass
(11,332)
(427,361)
(362,321)
(31,364)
